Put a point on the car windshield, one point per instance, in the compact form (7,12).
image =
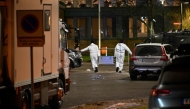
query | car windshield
(176,76)
(63,39)
(148,50)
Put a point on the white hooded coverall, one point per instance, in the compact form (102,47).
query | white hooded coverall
(94,53)
(119,53)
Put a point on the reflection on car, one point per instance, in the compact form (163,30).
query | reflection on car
(149,58)
(75,58)
(172,90)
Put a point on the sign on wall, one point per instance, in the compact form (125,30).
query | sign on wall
(30,28)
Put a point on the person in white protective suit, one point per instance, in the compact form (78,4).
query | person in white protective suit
(119,54)
(94,53)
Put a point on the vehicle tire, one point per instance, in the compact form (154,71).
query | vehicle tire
(7,98)
(79,61)
(71,64)
(133,76)
(25,101)
(53,103)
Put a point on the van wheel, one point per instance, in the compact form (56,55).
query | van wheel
(71,64)
(25,101)
(53,103)
(133,77)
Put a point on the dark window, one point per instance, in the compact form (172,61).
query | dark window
(82,5)
(169,49)
(82,26)
(176,75)
(148,50)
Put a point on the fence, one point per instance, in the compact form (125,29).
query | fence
(109,60)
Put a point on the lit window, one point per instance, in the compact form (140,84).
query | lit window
(141,27)
(130,27)
(95,27)
(82,26)
(109,27)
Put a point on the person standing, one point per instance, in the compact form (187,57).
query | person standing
(119,54)
(94,53)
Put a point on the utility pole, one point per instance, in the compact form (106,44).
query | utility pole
(99,27)
(162,1)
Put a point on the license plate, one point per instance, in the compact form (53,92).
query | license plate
(147,60)
(186,101)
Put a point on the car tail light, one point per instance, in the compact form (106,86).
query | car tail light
(133,57)
(162,92)
(164,57)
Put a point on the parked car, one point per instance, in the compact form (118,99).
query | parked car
(149,58)
(183,49)
(75,57)
(172,90)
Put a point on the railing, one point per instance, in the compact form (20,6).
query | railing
(105,49)
(105,59)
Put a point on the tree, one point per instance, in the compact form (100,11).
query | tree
(149,8)
(186,16)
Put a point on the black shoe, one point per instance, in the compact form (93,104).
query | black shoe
(117,69)
(96,69)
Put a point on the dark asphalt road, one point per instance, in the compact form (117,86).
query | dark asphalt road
(106,85)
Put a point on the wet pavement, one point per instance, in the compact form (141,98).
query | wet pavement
(106,85)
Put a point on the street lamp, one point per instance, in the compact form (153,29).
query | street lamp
(182,13)
(99,27)
(162,2)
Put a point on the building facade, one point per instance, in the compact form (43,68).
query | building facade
(131,20)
